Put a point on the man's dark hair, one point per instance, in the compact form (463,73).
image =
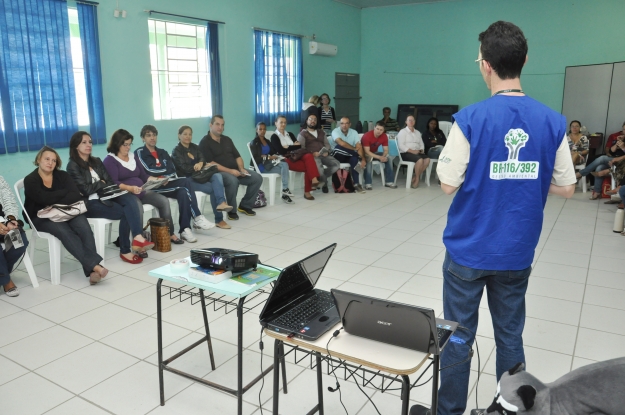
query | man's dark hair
(118,138)
(504,47)
(381,124)
(386,108)
(216,116)
(147,128)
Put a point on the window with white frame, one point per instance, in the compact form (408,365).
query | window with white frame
(180,72)
(79,70)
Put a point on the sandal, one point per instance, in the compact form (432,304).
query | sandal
(311,197)
(601,173)
(136,259)
(142,246)
(595,196)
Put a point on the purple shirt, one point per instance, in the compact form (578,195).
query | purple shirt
(122,175)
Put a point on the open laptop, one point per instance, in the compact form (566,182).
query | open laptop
(403,325)
(295,306)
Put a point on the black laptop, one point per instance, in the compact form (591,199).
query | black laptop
(295,306)
(403,325)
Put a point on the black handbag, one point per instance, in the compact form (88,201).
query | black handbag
(204,175)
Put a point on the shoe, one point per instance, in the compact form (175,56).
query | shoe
(176,241)
(358,188)
(248,212)
(287,199)
(187,235)
(325,189)
(142,246)
(201,222)
(391,185)
(142,254)
(223,207)
(578,176)
(94,278)
(136,259)
(595,195)
(368,187)
(420,410)
(223,225)
(13,292)
(233,216)
(287,192)
(311,197)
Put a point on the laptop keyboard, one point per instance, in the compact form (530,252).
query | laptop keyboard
(300,315)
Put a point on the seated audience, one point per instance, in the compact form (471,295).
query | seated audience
(389,123)
(269,160)
(49,185)
(326,114)
(158,163)
(8,221)
(90,176)
(124,169)
(316,142)
(220,149)
(434,139)
(615,147)
(285,142)
(412,148)
(578,143)
(371,141)
(310,108)
(188,159)
(348,149)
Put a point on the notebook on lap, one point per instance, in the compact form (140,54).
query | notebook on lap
(403,325)
(295,306)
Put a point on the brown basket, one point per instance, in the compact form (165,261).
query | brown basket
(159,234)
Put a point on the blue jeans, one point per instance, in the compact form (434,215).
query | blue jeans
(215,189)
(434,152)
(621,192)
(283,170)
(9,258)
(125,208)
(462,291)
(598,164)
(388,170)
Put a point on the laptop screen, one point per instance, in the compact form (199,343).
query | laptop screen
(296,280)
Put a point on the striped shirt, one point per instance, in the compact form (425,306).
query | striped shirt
(326,115)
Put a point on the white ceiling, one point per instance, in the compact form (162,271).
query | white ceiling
(363,4)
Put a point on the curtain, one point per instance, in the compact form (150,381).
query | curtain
(279,80)
(88,23)
(212,49)
(36,75)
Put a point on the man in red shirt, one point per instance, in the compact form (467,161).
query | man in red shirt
(371,142)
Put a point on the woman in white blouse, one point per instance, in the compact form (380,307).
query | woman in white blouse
(412,149)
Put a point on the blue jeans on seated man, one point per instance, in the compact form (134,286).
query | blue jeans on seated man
(215,189)
(9,258)
(345,155)
(253,182)
(388,170)
(127,209)
(598,164)
(462,291)
(283,170)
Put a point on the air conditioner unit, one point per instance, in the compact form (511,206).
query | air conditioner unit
(322,49)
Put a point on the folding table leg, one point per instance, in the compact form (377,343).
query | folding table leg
(435,368)
(284,390)
(208,332)
(277,346)
(405,394)
(319,384)
(159,328)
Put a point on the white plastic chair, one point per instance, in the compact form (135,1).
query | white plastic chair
(409,167)
(271,177)
(99,233)
(582,180)
(29,267)
(445,127)
(55,247)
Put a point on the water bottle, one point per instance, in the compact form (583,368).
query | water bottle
(618,221)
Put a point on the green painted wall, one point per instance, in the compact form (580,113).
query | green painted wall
(126,66)
(425,53)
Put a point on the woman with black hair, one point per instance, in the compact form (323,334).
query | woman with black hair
(90,177)
(434,139)
(326,114)
(269,160)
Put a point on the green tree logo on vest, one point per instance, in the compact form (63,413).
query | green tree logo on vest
(513,168)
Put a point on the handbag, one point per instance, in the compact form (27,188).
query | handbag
(261,200)
(159,234)
(295,155)
(204,175)
(62,213)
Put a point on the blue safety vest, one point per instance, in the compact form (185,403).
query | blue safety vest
(495,219)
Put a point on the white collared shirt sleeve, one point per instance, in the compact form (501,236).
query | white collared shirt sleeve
(401,140)
(453,160)
(563,169)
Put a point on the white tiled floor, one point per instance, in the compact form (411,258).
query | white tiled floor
(77,349)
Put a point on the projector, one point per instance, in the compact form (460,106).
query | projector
(226,259)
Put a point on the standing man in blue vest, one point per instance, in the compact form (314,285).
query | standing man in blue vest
(503,156)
